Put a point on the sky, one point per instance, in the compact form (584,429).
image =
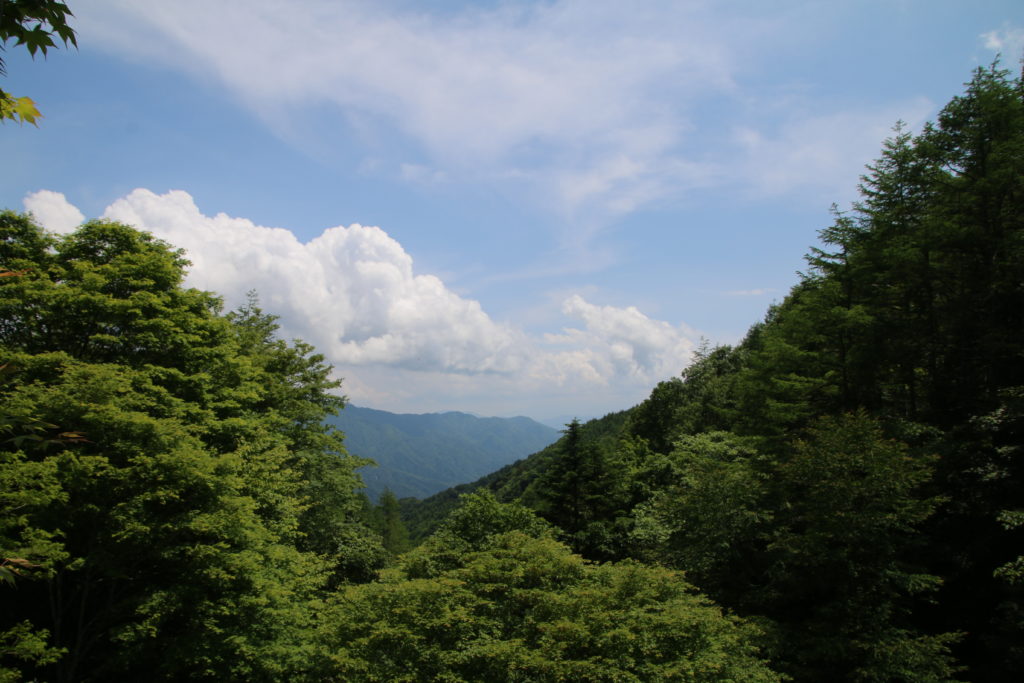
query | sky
(504,208)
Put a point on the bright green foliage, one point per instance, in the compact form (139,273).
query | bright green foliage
(27,552)
(480,516)
(287,389)
(395,536)
(22,109)
(35,24)
(25,645)
(188,524)
(526,609)
(470,528)
(27,486)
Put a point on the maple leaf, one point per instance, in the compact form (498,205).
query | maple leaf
(25,109)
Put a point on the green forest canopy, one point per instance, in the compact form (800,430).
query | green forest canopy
(850,474)
(837,497)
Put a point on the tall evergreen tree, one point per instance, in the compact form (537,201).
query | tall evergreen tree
(843,580)
(563,485)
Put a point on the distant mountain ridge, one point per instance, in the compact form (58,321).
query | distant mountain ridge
(513,482)
(419,455)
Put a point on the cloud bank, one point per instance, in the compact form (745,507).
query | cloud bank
(351,291)
(402,339)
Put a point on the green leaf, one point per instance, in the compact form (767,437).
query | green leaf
(20,109)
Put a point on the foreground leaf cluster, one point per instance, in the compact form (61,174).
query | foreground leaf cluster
(37,25)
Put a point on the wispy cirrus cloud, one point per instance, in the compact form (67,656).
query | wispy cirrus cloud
(567,91)
(814,151)
(591,110)
(1008,40)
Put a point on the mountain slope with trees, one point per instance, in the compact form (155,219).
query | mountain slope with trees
(849,475)
(172,501)
(837,497)
(419,455)
(174,507)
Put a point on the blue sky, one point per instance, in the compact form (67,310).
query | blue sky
(508,208)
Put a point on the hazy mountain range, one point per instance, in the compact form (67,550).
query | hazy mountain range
(419,455)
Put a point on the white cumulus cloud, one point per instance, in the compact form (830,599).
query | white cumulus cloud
(351,291)
(624,342)
(53,211)
(402,339)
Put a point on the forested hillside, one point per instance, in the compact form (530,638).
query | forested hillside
(418,455)
(171,501)
(850,474)
(514,482)
(838,497)
(173,506)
